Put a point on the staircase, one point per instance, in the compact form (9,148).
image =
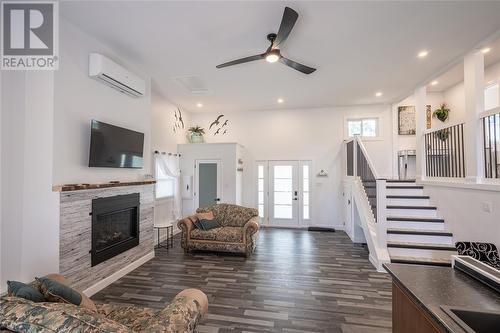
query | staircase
(415,233)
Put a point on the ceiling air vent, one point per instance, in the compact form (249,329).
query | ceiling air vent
(192,83)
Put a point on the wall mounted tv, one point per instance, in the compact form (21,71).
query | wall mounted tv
(115,147)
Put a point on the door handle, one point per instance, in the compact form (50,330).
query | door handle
(217,199)
(295,193)
(295,199)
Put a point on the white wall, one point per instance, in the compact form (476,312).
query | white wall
(30,216)
(312,134)
(462,210)
(78,99)
(164,139)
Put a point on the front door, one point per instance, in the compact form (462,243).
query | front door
(283,193)
(208,182)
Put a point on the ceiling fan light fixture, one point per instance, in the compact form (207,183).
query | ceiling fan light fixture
(272,56)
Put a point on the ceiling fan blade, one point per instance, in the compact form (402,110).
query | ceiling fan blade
(287,22)
(241,61)
(295,65)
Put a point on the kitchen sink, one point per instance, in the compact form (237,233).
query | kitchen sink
(474,321)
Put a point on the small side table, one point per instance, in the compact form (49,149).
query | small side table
(169,226)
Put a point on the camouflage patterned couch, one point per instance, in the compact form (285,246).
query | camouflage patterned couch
(237,233)
(181,315)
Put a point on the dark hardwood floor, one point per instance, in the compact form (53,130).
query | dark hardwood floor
(296,281)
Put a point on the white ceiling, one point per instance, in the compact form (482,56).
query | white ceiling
(358,48)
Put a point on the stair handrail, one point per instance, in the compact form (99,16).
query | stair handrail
(361,146)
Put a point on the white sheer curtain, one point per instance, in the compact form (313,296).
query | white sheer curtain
(167,166)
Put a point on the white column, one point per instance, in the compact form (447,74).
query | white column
(474,105)
(420,104)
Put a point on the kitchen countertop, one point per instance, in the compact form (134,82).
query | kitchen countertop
(433,286)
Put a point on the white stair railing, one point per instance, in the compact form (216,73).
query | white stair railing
(369,195)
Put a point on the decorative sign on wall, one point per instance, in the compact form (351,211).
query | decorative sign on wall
(219,125)
(178,121)
(428,117)
(406,120)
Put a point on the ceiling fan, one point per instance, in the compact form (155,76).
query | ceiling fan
(273,53)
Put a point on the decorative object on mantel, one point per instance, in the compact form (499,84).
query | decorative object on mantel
(239,169)
(322,173)
(406,120)
(442,113)
(77,187)
(196,134)
(164,153)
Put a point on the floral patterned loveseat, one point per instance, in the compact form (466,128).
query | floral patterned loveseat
(239,227)
(181,315)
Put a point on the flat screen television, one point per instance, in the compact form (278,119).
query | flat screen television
(115,147)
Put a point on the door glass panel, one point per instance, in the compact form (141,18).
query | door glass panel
(207,184)
(261,185)
(260,190)
(261,198)
(283,185)
(283,198)
(283,171)
(283,211)
(261,210)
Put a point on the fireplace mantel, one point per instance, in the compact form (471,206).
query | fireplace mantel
(83,186)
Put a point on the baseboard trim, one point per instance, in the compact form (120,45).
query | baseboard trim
(117,275)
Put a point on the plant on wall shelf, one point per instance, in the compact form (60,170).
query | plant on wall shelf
(442,113)
(196,134)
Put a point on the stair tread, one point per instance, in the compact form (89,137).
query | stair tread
(418,232)
(410,207)
(429,246)
(407,197)
(409,187)
(400,180)
(414,219)
(421,261)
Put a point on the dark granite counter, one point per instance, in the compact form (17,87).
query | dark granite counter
(431,287)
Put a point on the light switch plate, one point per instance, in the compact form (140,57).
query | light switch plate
(487,207)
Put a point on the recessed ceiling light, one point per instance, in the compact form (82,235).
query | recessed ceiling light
(486,50)
(199,105)
(378,94)
(433,83)
(280,100)
(423,53)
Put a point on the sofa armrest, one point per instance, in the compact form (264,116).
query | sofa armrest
(185,311)
(186,224)
(252,226)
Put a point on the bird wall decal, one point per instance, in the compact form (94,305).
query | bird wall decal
(225,123)
(216,121)
(217,132)
(180,118)
(225,131)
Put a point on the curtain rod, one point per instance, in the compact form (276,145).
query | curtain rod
(164,153)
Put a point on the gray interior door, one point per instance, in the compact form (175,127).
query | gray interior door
(207,184)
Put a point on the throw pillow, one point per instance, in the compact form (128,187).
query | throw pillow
(198,225)
(23,290)
(57,292)
(86,302)
(208,224)
(205,216)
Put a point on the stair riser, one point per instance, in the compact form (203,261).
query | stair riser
(403,191)
(415,225)
(400,184)
(421,253)
(427,239)
(412,212)
(408,202)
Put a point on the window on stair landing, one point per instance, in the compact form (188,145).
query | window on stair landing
(364,127)
(491,96)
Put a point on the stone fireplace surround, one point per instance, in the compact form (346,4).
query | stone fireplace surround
(75,234)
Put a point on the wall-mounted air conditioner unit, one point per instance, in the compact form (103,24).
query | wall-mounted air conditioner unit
(109,72)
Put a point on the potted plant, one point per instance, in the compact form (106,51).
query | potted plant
(442,113)
(196,134)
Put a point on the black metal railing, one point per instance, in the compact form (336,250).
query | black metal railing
(491,136)
(350,158)
(365,173)
(444,152)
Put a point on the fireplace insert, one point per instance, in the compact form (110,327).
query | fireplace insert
(115,226)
